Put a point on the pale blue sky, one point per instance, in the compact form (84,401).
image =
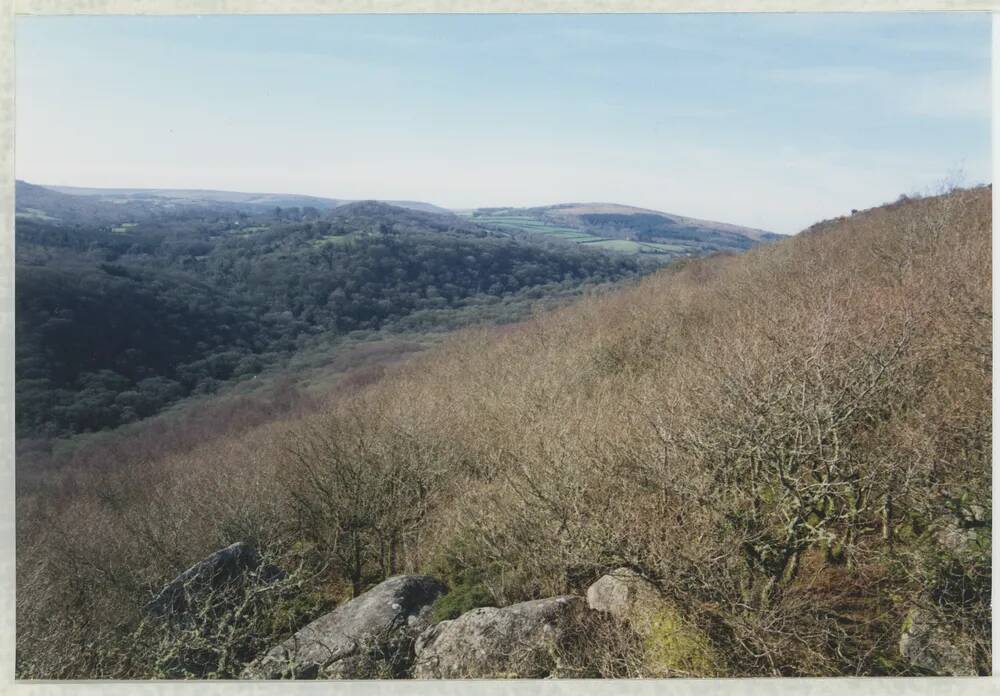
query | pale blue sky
(773,121)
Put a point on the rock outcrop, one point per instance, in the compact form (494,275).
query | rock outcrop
(672,646)
(371,636)
(626,595)
(930,645)
(519,641)
(222,569)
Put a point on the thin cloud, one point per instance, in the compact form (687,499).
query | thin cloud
(938,94)
(947,95)
(830,75)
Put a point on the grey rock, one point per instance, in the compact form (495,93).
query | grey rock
(518,641)
(625,594)
(672,645)
(930,644)
(370,636)
(223,568)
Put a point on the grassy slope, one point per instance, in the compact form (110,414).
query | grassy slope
(734,428)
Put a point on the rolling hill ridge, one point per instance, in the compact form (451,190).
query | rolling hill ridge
(252,201)
(612,226)
(607,227)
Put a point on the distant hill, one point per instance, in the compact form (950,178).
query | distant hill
(582,211)
(43,204)
(624,228)
(608,227)
(358,214)
(172,198)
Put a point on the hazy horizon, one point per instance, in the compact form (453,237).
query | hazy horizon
(767,121)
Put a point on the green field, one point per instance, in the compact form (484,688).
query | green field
(622,245)
(525,223)
(33,214)
(662,247)
(522,223)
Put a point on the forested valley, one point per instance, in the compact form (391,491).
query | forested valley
(123,311)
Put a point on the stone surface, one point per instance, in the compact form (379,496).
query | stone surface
(626,595)
(672,646)
(224,567)
(929,644)
(370,636)
(518,641)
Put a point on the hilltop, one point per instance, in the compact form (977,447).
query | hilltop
(624,228)
(581,211)
(167,198)
(791,448)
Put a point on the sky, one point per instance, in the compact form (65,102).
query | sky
(769,121)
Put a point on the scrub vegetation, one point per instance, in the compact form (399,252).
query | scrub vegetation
(793,444)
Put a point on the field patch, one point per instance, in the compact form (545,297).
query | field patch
(577,235)
(34,214)
(622,245)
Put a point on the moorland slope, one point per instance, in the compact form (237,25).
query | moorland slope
(792,445)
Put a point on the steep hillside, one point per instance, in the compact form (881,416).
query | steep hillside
(625,228)
(792,445)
